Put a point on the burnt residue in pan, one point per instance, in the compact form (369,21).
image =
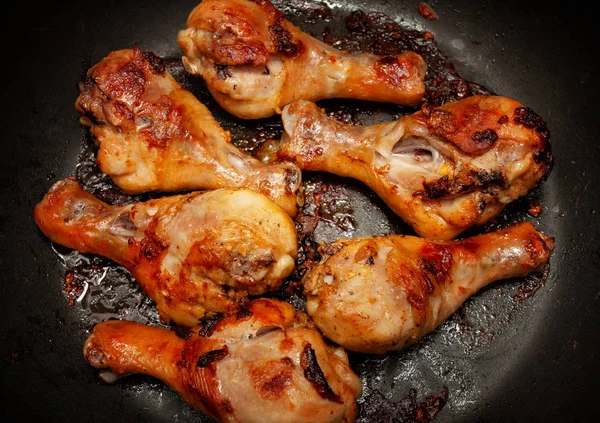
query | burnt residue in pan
(412,385)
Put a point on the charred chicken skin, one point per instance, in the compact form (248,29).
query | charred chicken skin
(442,169)
(191,253)
(266,363)
(380,294)
(254,62)
(154,135)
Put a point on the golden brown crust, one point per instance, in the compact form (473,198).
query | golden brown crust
(191,253)
(265,361)
(440,169)
(243,31)
(412,284)
(155,136)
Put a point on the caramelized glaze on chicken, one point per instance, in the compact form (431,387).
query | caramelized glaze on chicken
(254,62)
(191,253)
(264,364)
(155,136)
(379,294)
(441,169)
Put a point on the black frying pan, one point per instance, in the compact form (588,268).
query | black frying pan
(520,350)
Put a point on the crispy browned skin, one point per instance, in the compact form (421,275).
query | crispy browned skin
(192,253)
(155,136)
(255,62)
(378,294)
(264,365)
(441,169)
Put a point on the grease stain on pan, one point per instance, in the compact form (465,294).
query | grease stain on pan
(102,290)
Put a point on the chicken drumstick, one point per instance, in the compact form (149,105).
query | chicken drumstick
(441,169)
(155,136)
(254,62)
(191,253)
(263,365)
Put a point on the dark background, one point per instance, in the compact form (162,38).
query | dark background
(543,367)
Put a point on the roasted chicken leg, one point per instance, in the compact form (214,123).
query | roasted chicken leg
(380,294)
(254,62)
(155,136)
(191,253)
(266,364)
(441,169)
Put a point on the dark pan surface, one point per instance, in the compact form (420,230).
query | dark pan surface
(520,350)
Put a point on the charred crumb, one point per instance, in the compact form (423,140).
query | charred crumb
(481,205)
(285,44)
(544,156)
(535,208)
(360,112)
(446,187)
(209,324)
(305,12)
(291,292)
(495,177)
(325,202)
(485,138)
(366,254)
(181,331)
(243,310)
(527,117)
(156,63)
(223,72)
(226,405)
(206,359)
(357,21)
(13,357)
(531,283)
(308,255)
(426,11)
(339,211)
(314,374)
(376,407)
(77,277)
(151,246)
